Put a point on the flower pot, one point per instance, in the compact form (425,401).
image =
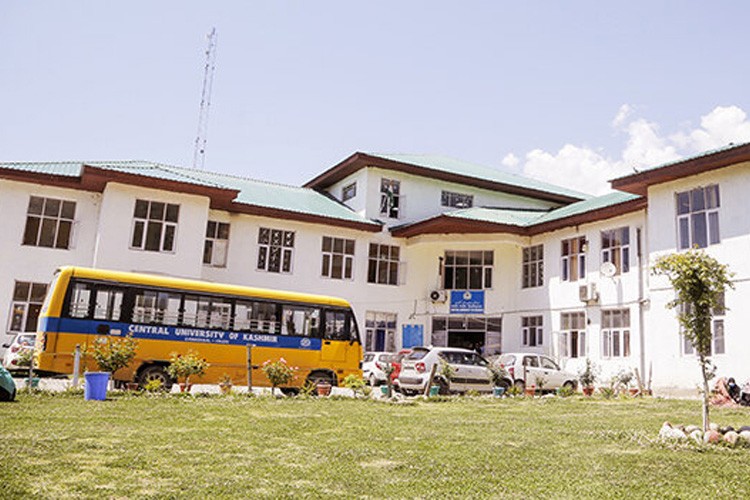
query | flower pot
(529,391)
(132,386)
(35,382)
(323,389)
(634,392)
(588,390)
(185,387)
(384,390)
(498,391)
(225,388)
(434,390)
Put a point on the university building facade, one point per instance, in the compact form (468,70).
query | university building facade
(429,250)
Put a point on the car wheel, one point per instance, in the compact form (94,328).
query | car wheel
(155,372)
(570,385)
(373,380)
(519,385)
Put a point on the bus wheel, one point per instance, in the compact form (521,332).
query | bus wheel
(321,377)
(290,391)
(155,372)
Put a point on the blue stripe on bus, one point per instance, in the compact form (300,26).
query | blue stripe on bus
(179,333)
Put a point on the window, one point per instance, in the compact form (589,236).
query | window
(255,316)
(467,270)
(338,258)
(158,307)
(27,302)
(215,247)
(390,198)
(531,327)
(298,320)
(533,266)
(616,333)
(49,222)
(573,253)
(340,325)
(155,226)
(616,248)
(572,335)
(457,200)
(698,217)
(349,191)
(275,249)
(380,331)
(383,264)
(717,333)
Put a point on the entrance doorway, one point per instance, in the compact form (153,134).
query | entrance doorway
(473,340)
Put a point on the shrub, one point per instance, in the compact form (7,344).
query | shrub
(278,372)
(187,365)
(355,383)
(111,354)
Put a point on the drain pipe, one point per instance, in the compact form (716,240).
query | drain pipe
(641,302)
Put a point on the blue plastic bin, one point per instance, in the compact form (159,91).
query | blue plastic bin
(96,386)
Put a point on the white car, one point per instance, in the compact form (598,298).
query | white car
(374,365)
(21,342)
(527,369)
(469,370)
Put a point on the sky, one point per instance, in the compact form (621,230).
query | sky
(573,93)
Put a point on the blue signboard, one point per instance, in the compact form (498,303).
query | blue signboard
(412,335)
(467,302)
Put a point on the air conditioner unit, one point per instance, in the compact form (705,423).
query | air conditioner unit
(438,296)
(587,293)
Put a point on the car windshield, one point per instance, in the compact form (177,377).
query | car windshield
(418,354)
(463,358)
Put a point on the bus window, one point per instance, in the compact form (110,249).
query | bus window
(302,321)
(108,304)
(221,310)
(243,315)
(80,299)
(156,307)
(336,325)
(255,316)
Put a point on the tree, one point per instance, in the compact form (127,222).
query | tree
(699,281)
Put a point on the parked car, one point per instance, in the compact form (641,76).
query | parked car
(374,365)
(20,343)
(527,369)
(470,370)
(396,360)
(7,386)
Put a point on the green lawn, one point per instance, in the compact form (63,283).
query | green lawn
(57,446)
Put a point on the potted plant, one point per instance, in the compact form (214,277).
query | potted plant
(443,376)
(355,383)
(587,377)
(279,373)
(110,354)
(225,384)
(498,378)
(184,366)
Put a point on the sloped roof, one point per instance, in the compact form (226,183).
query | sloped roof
(523,222)
(639,182)
(227,192)
(449,170)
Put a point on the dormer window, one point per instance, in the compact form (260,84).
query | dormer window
(390,198)
(456,200)
(349,191)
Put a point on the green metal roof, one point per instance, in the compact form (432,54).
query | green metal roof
(251,192)
(460,167)
(506,216)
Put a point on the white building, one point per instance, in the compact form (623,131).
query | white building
(429,250)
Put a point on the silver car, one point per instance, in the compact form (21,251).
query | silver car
(467,370)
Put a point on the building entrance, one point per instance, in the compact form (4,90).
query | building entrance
(479,333)
(473,340)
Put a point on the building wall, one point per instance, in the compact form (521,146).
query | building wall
(674,372)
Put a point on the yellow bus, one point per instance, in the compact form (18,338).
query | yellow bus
(315,333)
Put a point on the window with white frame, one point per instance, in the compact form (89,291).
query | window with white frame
(456,200)
(616,333)
(717,332)
(349,191)
(531,328)
(616,248)
(275,250)
(390,198)
(154,226)
(572,335)
(215,246)
(698,217)
(573,252)
(380,331)
(533,266)
(467,270)
(49,222)
(338,258)
(24,309)
(383,264)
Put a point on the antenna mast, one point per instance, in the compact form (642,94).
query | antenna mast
(199,155)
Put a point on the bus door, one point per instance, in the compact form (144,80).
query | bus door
(336,335)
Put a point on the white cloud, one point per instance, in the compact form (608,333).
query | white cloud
(585,169)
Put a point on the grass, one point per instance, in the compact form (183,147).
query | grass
(60,446)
